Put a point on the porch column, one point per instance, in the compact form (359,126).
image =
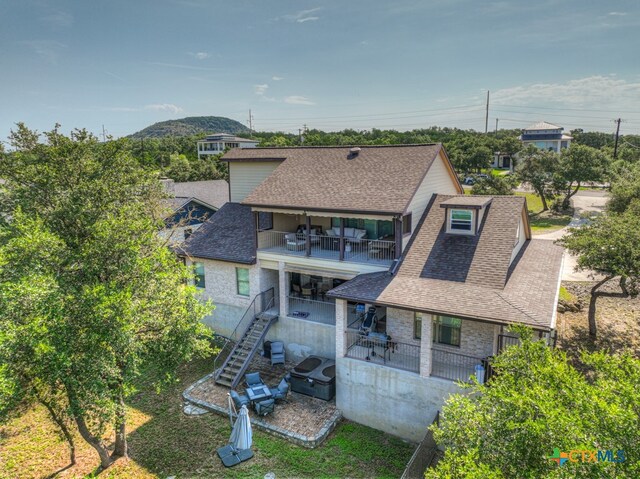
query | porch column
(341,327)
(397,223)
(341,239)
(283,289)
(307,235)
(425,345)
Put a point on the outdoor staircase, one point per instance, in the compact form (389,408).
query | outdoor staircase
(234,367)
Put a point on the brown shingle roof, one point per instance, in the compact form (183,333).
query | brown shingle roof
(213,192)
(466,201)
(378,179)
(471,276)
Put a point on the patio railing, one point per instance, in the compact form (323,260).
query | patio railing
(376,349)
(317,311)
(454,366)
(327,247)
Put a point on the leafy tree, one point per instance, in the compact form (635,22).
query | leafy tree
(625,189)
(609,246)
(495,185)
(89,293)
(538,168)
(580,164)
(538,401)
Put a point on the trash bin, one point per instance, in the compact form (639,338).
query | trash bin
(266,346)
(480,373)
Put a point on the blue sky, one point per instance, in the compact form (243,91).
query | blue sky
(328,64)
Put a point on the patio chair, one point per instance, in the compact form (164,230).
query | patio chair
(370,320)
(297,290)
(239,399)
(254,379)
(277,353)
(280,392)
(265,407)
(293,243)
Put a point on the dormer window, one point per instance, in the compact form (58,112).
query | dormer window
(461,221)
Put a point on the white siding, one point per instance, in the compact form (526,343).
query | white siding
(437,180)
(521,238)
(244,177)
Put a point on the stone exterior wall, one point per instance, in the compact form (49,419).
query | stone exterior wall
(400,326)
(476,339)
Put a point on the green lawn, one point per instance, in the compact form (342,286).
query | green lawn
(543,222)
(164,442)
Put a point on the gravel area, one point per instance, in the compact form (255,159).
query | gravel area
(617,319)
(300,414)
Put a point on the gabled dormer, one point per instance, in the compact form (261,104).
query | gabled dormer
(464,214)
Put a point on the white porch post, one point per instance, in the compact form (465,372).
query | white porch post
(341,327)
(425,345)
(283,289)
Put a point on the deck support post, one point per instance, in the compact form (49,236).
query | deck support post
(307,235)
(341,239)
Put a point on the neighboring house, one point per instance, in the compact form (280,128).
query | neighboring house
(546,136)
(219,142)
(192,203)
(312,236)
(502,160)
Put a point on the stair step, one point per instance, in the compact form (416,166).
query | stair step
(224,382)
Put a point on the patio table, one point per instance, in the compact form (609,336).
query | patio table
(257,393)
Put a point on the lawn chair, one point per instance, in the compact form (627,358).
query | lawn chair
(293,243)
(253,380)
(370,321)
(264,407)
(239,399)
(280,392)
(277,353)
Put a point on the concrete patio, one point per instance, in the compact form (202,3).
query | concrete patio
(301,419)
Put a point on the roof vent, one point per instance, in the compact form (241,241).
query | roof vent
(353,152)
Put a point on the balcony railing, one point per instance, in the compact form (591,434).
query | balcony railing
(327,247)
(317,311)
(454,366)
(373,347)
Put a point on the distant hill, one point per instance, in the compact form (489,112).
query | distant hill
(192,125)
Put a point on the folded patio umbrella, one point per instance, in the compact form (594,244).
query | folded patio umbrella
(241,435)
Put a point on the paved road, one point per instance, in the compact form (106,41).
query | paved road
(585,203)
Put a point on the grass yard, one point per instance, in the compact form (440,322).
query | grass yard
(543,222)
(164,442)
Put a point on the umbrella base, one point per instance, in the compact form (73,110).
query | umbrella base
(230,456)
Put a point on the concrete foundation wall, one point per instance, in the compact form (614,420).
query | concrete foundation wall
(304,338)
(390,400)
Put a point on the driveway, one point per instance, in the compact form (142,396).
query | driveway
(585,203)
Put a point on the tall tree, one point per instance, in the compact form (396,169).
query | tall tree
(580,164)
(87,287)
(609,246)
(538,168)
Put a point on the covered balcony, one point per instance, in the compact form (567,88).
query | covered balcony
(357,240)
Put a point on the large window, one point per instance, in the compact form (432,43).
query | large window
(199,275)
(446,330)
(242,281)
(461,220)
(417,325)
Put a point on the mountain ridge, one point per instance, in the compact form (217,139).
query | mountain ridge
(192,125)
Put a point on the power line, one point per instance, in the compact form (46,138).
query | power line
(567,109)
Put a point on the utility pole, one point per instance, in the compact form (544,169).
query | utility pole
(104,136)
(615,148)
(496,127)
(250,121)
(486,118)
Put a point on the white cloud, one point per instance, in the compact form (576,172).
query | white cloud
(591,91)
(170,107)
(302,16)
(58,19)
(298,100)
(199,55)
(617,14)
(277,78)
(48,50)
(261,91)
(121,109)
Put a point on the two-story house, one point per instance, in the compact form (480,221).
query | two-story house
(219,142)
(546,136)
(318,237)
